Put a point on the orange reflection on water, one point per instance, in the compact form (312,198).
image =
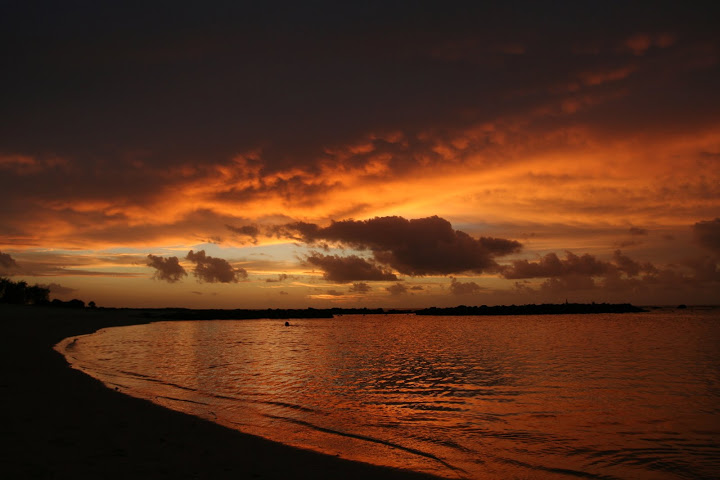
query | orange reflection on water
(623,396)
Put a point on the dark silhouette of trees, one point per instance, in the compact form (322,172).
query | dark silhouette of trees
(20,293)
(74,303)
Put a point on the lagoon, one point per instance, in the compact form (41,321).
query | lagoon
(551,396)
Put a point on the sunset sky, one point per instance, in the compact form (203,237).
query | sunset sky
(318,154)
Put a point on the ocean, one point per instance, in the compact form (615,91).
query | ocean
(610,396)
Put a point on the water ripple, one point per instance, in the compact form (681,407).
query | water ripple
(595,396)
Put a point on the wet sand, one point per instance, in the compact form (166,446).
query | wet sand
(61,423)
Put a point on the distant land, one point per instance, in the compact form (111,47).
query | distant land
(243,314)
(532,309)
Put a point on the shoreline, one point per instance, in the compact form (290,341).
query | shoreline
(62,423)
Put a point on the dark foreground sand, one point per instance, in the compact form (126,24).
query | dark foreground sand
(60,423)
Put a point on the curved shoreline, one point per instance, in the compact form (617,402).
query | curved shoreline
(61,423)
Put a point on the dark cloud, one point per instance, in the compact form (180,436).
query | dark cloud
(347,269)
(623,278)
(707,233)
(211,269)
(397,289)
(569,283)
(463,288)
(283,292)
(523,286)
(251,231)
(552,266)
(360,287)
(334,293)
(628,243)
(671,284)
(423,246)
(281,278)
(575,267)
(416,65)
(58,289)
(299,231)
(638,231)
(700,275)
(626,264)
(705,269)
(168,269)
(7,264)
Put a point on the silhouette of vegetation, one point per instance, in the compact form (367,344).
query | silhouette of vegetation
(20,293)
(280,313)
(243,314)
(74,303)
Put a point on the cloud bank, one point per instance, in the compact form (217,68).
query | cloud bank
(417,247)
(552,266)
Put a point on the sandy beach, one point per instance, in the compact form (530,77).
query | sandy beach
(61,423)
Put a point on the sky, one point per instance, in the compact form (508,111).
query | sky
(373,154)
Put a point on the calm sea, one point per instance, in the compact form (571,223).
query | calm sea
(632,396)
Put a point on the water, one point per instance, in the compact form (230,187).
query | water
(633,396)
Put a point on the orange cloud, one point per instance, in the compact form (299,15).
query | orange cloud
(599,77)
(639,43)
(503,172)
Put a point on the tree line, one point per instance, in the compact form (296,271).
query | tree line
(20,293)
